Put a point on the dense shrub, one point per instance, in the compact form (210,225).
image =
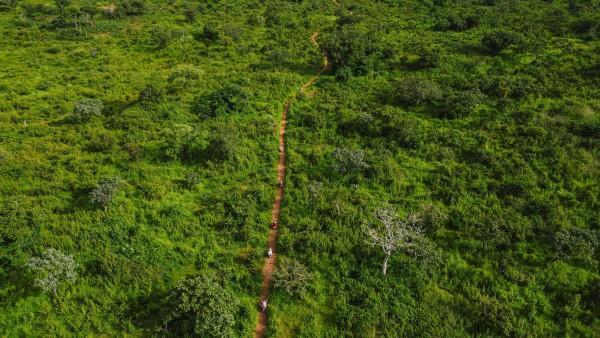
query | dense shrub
(350,48)
(460,104)
(456,21)
(86,108)
(192,179)
(130,8)
(105,192)
(428,57)
(349,161)
(222,147)
(160,37)
(182,78)
(228,99)
(201,307)
(190,13)
(497,41)
(576,242)
(150,94)
(587,27)
(176,140)
(292,277)
(207,34)
(415,91)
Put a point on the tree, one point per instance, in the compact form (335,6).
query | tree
(292,277)
(86,108)
(576,242)
(415,91)
(201,307)
(352,48)
(182,78)
(150,94)
(222,147)
(160,37)
(105,191)
(192,179)
(497,41)
(428,57)
(349,160)
(231,98)
(130,8)
(55,268)
(395,235)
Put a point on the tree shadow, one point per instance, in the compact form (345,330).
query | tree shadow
(149,311)
(14,285)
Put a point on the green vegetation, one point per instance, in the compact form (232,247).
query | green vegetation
(138,147)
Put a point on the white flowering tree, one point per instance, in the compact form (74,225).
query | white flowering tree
(392,234)
(54,268)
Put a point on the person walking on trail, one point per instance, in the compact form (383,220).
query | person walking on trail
(270,252)
(274,225)
(280,183)
(263,305)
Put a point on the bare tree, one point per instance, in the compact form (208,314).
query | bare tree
(394,234)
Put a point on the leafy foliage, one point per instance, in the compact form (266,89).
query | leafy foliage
(231,98)
(497,41)
(201,307)
(87,108)
(292,277)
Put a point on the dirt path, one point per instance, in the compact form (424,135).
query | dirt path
(269,265)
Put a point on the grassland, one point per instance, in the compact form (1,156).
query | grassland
(480,115)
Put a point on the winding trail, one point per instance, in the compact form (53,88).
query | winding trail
(269,265)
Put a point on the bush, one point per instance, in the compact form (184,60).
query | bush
(457,105)
(587,128)
(456,21)
(207,34)
(33,10)
(54,268)
(150,94)
(428,58)
(190,13)
(130,8)
(221,148)
(576,242)
(191,179)
(292,277)
(182,78)
(201,307)
(494,315)
(175,141)
(86,108)
(348,160)
(228,99)
(105,192)
(160,37)
(350,49)
(497,41)
(415,91)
